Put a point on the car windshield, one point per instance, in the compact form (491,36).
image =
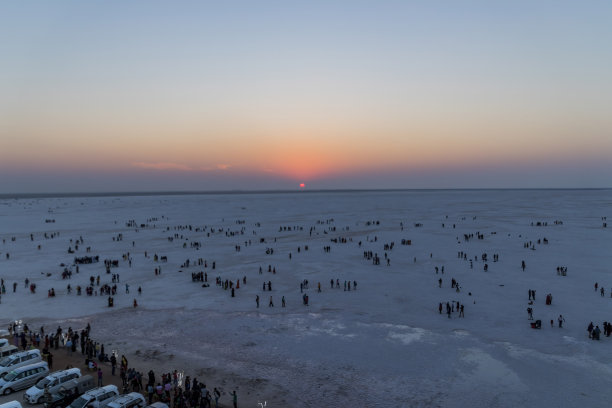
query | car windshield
(5,361)
(41,384)
(10,376)
(79,402)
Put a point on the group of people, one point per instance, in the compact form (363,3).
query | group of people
(548,301)
(451,307)
(595,331)
(171,388)
(602,291)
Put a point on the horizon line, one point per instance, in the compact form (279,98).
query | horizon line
(4,196)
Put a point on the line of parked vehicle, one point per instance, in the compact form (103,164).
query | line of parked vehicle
(60,389)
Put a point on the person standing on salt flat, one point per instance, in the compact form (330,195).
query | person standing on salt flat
(596,333)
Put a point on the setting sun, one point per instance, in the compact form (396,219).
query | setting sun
(302,185)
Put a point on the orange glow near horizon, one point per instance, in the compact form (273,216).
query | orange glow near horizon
(300,159)
(319,149)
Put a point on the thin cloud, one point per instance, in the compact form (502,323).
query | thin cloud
(215,167)
(181,167)
(162,166)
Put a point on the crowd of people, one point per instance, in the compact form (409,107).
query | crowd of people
(169,387)
(172,388)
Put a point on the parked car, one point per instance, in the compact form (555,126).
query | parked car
(6,349)
(70,391)
(11,404)
(23,377)
(96,398)
(61,399)
(54,381)
(20,359)
(131,400)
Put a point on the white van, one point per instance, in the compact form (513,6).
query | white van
(131,400)
(12,404)
(20,359)
(6,349)
(23,377)
(55,381)
(157,405)
(96,398)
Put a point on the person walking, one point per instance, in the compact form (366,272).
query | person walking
(99,377)
(235,399)
(560,320)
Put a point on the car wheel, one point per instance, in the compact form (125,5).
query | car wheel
(7,391)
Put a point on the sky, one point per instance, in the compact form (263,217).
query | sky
(103,96)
